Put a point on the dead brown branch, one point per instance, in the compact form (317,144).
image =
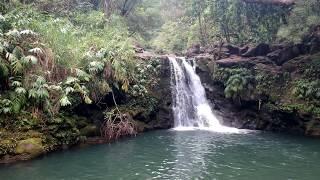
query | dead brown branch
(117,124)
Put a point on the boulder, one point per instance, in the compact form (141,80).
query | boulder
(195,49)
(204,57)
(313,128)
(261,49)
(281,56)
(141,126)
(244,49)
(235,62)
(90,131)
(232,50)
(315,45)
(32,147)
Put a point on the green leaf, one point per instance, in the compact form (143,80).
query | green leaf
(82,75)
(87,100)
(28,32)
(16,84)
(40,80)
(17,67)
(71,80)
(20,90)
(11,57)
(37,51)
(69,90)
(13,33)
(42,93)
(55,88)
(18,52)
(64,101)
(4,71)
(31,59)
(32,93)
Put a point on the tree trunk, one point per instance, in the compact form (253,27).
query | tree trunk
(107,8)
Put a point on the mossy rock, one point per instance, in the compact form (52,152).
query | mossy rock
(7,146)
(32,147)
(81,122)
(90,131)
(141,126)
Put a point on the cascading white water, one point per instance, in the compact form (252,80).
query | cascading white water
(190,106)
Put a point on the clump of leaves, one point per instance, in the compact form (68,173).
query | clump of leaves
(238,85)
(238,82)
(145,78)
(309,90)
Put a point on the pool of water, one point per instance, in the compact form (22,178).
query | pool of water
(180,155)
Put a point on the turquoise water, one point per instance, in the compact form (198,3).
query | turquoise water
(180,155)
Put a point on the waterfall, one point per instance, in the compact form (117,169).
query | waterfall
(190,106)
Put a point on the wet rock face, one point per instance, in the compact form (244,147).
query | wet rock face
(246,114)
(270,104)
(164,117)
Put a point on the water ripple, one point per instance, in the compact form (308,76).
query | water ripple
(180,156)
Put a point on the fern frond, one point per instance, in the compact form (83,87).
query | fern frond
(17,67)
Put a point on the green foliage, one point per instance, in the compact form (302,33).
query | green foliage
(5,106)
(202,21)
(242,22)
(304,15)
(63,131)
(302,108)
(238,82)
(172,37)
(145,78)
(309,90)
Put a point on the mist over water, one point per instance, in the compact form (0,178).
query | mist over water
(190,105)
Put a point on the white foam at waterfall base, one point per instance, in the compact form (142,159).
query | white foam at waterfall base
(190,106)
